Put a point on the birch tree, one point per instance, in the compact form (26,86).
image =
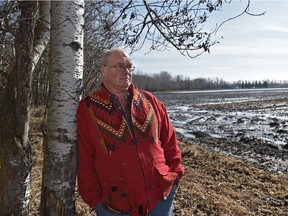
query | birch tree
(15,150)
(66,66)
(42,32)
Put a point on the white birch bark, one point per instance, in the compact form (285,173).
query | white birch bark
(42,31)
(66,62)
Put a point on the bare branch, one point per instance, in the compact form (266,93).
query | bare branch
(169,24)
(235,17)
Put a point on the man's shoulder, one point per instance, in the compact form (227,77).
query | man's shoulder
(150,96)
(96,96)
(145,92)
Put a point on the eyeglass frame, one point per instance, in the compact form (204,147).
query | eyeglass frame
(120,68)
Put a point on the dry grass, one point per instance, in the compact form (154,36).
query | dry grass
(214,184)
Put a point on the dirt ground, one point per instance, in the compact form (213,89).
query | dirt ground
(214,183)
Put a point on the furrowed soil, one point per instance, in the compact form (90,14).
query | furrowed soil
(214,183)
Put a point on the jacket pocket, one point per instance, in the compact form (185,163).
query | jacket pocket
(116,195)
(166,180)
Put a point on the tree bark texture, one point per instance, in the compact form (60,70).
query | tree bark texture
(15,161)
(66,68)
(42,31)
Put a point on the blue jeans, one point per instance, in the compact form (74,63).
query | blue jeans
(163,208)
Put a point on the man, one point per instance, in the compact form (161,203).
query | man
(129,160)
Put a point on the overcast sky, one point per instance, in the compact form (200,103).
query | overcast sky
(253,48)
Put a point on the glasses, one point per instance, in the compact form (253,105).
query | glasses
(122,67)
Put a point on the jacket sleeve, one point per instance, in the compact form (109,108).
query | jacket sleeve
(168,138)
(88,184)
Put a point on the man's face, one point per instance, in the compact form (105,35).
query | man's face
(116,74)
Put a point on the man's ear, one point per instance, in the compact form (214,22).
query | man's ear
(102,70)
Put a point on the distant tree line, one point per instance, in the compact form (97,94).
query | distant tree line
(164,81)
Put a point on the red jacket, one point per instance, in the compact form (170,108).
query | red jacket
(129,171)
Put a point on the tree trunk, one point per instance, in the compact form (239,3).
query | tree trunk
(42,31)
(15,161)
(42,38)
(66,66)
